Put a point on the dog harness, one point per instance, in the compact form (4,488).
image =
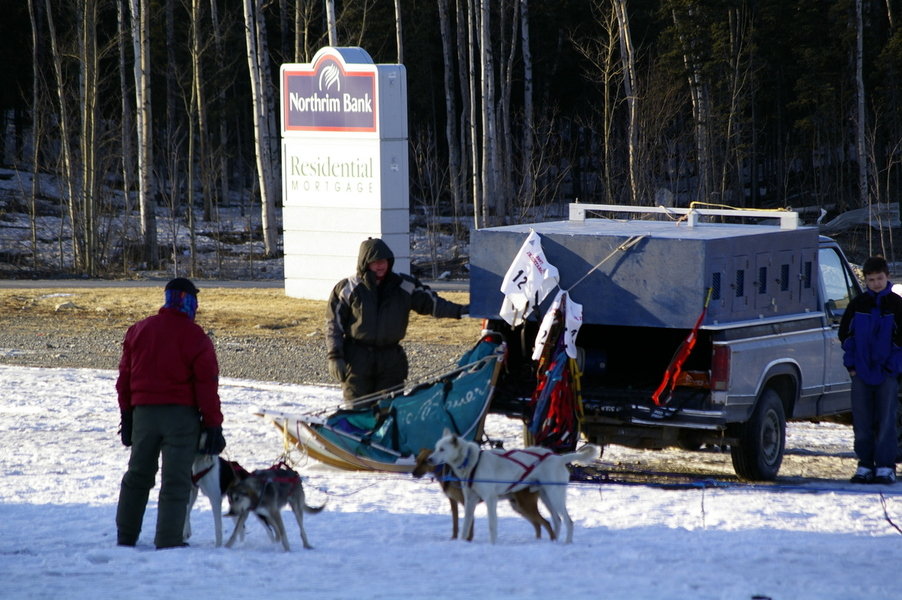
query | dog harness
(196,477)
(281,473)
(512,455)
(237,469)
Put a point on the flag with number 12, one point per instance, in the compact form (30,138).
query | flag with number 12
(528,281)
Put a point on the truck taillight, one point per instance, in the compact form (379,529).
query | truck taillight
(720,368)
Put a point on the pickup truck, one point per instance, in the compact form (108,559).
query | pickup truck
(766,349)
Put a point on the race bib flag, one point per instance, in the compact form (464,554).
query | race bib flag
(573,320)
(528,280)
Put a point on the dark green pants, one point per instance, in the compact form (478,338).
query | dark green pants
(372,369)
(169,432)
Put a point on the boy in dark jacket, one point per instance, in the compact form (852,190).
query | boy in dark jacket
(871,335)
(366,319)
(168,390)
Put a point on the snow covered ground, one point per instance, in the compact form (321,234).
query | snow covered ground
(387,536)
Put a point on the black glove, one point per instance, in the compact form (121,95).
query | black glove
(125,428)
(463,311)
(211,441)
(338,368)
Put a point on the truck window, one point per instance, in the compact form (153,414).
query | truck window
(837,280)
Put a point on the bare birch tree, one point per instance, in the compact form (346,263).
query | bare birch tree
(489,124)
(222,156)
(466,129)
(37,118)
(451,134)
(331,24)
(126,126)
(601,51)
(140,16)
(258,66)
(478,201)
(68,161)
(699,93)
(398,33)
(505,146)
(630,88)
(88,139)
(860,120)
(528,184)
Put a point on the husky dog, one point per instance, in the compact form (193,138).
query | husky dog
(264,493)
(525,501)
(213,476)
(490,474)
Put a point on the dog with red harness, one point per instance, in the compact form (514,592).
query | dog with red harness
(264,493)
(525,502)
(487,475)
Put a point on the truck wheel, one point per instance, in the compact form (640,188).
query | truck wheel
(759,453)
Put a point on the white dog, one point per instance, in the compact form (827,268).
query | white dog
(213,476)
(489,474)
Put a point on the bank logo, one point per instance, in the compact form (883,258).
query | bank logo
(330,77)
(328,97)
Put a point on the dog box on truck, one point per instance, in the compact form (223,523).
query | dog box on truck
(766,349)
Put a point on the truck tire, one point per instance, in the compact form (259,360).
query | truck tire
(759,453)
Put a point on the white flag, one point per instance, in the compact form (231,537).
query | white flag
(573,320)
(528,280)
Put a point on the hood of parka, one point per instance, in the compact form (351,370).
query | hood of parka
(373,249)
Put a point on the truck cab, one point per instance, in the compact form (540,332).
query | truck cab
(767,298)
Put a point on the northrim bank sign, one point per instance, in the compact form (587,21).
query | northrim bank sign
(344,166)
(330,97)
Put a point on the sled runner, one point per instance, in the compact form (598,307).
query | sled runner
(385,431)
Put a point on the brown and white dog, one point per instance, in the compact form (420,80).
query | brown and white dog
(525,502)
(264,493)
(491,474)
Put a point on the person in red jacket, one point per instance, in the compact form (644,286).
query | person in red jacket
(168,390)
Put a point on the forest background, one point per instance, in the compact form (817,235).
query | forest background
(139,111)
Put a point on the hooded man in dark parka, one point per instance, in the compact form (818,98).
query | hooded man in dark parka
(366,319)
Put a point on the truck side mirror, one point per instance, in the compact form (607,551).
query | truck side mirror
(832,313)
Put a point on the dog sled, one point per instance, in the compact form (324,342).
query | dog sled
(385,431)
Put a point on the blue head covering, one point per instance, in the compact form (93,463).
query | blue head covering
(181,294)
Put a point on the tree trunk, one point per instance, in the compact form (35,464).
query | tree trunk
(140,14)
(505,142)
(478,204)
(222,155)
(630,89)
(197,116)
(258,65)
(172,177)
(128,172)
(528,185)
(701,107)
(489,136)
(331,25)
(860,121)
(37,134)
(465,127)
(398,34)
(733,153)
(89,186)
(65,136)
(450,108)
